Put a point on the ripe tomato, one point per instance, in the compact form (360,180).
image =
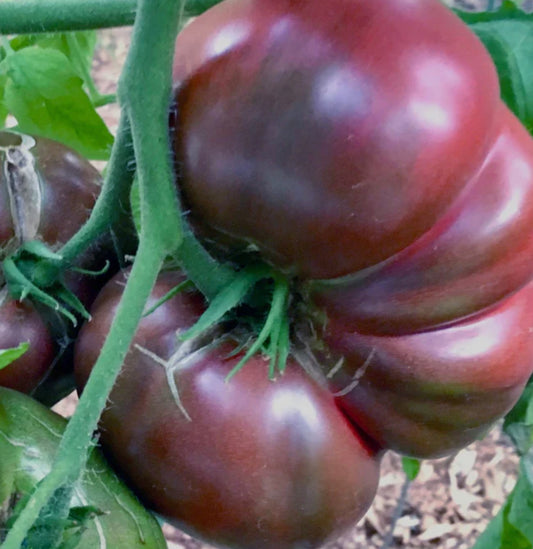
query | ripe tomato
(46,193)
(478,253)
(29,438)
(365,144)
(431,393)
(330,135)
(245,463)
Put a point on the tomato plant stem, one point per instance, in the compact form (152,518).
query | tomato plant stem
(147,74)
(33,16)
(112,206)
(72,453)
(30,16)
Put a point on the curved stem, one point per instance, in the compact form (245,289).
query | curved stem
(111,210)
(389,538)
(34,16)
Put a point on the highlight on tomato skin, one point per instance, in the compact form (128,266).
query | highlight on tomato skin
(477,254)
(242,463)
(429,394)
(304,129)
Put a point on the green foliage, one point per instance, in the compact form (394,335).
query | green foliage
(513,528)
(411,467)
(7,356)
(510,44)
(507,33)
(509,10)
(519,422)
(3,109)
(46,96)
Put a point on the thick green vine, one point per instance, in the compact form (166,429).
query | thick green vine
(32,16)
(161,234)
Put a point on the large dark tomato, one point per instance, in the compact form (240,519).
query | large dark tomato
(330,134)
(365,144)
(46,193)
(245,463)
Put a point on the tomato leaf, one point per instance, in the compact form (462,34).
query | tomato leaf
(7,356)
(44,93)
(78,47)
(519,421)
(3,109)
(510,44)
(512,527)
(411,467)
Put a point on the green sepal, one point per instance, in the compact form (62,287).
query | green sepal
(7,356)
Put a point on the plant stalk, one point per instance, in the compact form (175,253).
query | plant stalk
(36,16)
(147,73)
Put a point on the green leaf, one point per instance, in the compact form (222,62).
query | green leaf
(512,528)
(7,356)
(3,109)
(518,423)
(508,10)
(411,467)
(510,43)
(45,95)
(78,47)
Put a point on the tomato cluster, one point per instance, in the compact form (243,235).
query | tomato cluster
(362,151)
(360,148)
(40,180)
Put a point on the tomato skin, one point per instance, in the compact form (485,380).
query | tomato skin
(329,134)
(480,252)
(261,464)
(29,438)
(431,393)
(20,323)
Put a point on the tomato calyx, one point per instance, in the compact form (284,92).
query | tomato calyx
(257,301)
(30,267)
(35,271)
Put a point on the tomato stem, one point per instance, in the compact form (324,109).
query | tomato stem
(35,16)
(148,71)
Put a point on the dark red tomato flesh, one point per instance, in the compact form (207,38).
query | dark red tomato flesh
(330,135)
(254,463)
(429,394)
